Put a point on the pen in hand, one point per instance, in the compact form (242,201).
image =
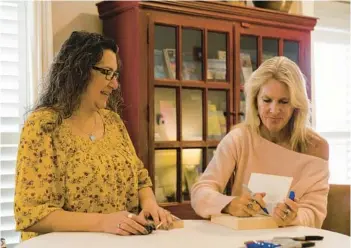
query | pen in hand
(252,195)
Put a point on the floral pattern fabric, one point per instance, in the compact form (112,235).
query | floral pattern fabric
(57,169)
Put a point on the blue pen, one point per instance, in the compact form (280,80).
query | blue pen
(292,195)
(252,194)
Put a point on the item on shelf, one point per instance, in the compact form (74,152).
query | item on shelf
(191,175)
(189,71)
(169,121)
(245,223)
(165,172)
(216,69)
(222,55)
(197,52)
(159,64)
(214,126)
(283,5)
(192,125)
(170,59)
(246,66)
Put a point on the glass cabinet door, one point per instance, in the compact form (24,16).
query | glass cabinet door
(269,48)
(165,121)
(166,175)
(192,59)
(165,55)
(191,99)
(216,109)
(291,50)
(192,167)
(248,57)
(250,52)
(192,114)
(217,56)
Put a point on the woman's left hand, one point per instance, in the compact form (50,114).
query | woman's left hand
(158,214)
(285,213)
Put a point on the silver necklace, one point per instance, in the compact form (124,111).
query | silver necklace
(91,135)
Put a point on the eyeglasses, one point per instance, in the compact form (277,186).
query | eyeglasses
(109,74)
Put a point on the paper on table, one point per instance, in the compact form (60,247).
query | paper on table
(275,187)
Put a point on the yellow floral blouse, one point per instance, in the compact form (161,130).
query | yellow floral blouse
(59,170)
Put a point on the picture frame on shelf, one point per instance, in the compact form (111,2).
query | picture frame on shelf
(246,66)
(159,64)
(170,56)
(167,122)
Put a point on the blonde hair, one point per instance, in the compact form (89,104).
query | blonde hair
(287,72)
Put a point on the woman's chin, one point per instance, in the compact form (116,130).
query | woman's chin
(101,105)
(274,128)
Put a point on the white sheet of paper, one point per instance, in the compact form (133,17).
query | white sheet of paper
(275,187)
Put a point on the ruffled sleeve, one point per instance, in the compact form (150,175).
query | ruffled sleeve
(39,178)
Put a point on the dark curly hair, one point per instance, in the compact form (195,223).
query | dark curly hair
(70,73)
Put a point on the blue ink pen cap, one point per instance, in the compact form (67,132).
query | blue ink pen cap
(292,195)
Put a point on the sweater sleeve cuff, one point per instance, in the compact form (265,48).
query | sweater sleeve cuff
(303,218)
(218,203)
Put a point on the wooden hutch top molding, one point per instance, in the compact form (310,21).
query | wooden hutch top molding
(215,10)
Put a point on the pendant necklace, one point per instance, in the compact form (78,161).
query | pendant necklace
(91,135)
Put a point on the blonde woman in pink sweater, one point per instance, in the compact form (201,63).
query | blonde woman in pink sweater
(274,139)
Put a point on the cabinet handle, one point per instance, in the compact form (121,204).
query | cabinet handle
(245,25)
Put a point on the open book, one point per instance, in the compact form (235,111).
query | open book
(244,223)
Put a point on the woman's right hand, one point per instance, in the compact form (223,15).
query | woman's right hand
(245,205)
(123,223)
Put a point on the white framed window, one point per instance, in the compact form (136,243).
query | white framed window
(14,98)
(332,84)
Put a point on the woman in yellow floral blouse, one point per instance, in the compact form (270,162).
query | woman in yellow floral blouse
(77,169)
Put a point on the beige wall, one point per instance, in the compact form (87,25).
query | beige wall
(68,16)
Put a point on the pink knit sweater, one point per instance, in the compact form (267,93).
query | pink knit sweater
(242,152)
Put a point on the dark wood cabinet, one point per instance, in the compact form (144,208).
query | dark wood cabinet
(184,67)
